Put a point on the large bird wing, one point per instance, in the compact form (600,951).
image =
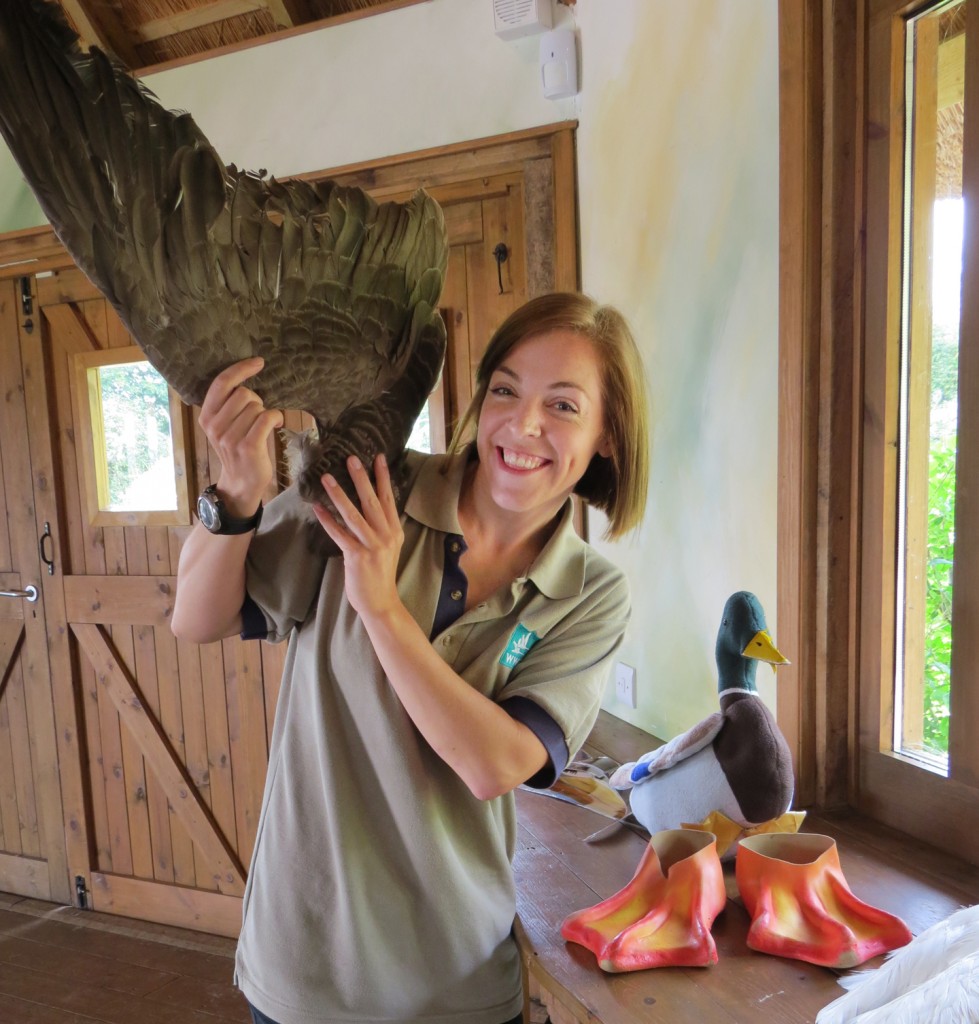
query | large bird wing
(206,264)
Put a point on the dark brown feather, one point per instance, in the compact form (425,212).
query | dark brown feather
(206,264)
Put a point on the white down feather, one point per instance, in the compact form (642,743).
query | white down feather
(935,977)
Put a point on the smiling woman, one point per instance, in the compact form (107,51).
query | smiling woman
(469,638)
(617,484)
(537,435)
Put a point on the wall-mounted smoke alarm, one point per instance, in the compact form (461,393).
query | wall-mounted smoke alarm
(515,18)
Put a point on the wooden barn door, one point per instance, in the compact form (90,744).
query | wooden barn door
(163,788)
(32,844)
(160,747)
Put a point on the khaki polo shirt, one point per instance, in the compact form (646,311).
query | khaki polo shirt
(380,888)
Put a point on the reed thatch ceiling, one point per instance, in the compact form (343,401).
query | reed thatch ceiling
(144,33)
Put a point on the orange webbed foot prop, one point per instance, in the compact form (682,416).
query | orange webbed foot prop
(662,918)
(801,906)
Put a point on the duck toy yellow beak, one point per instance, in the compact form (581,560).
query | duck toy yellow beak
(762,647)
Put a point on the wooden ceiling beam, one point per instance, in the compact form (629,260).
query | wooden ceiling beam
(289,13)
(105,33)
(197,17)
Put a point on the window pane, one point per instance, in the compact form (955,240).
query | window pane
(136,439)
(933,265)
(421,433)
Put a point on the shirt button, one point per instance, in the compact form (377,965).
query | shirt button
(454,547)
(456,595)
(446,640)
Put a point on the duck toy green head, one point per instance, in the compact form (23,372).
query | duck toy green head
(736,760)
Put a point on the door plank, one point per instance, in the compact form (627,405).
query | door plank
(27,876)
(134,771)
(488,305)
(9,813)
(11,640)
(247,733)
(220,775)
(158,809)
(226,871)
(112,779)
(157,550)
(459,368)
(89,690)
(463,222)
(25,756)
(565,242)
(70,331)
(171,720)
(126,600)
(195,740)
(174,905)
(67,285)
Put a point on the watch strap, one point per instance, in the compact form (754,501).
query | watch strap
(230,525)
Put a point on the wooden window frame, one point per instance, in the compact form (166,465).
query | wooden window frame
(897,789)
(840,235)
(94,469)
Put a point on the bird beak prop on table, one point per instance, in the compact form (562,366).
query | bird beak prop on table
(733,768)
(207,265)
(587,786)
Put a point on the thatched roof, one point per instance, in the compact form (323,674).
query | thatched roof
(143,33)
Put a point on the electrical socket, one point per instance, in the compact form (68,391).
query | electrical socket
(625,684)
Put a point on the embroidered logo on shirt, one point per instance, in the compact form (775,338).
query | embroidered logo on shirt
(521,641)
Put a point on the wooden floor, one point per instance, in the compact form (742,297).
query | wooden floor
(59,965)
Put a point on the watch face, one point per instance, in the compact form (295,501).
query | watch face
(208,513)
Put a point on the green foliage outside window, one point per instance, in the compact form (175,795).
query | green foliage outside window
(938,601)
(136,417)
(941,541)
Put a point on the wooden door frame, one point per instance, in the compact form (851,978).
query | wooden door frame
(821,160)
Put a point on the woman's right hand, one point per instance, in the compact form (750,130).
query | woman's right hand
(238,426)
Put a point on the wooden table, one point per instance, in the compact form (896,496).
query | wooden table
(558,873)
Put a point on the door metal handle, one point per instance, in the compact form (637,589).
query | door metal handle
(30,592)
(49,562)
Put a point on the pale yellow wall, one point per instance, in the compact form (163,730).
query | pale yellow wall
(677,152)
(678,162)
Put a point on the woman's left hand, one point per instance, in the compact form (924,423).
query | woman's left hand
(369,538)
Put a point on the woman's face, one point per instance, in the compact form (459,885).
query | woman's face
(541,422)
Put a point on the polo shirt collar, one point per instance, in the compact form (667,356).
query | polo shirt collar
(558,571)
(434,497)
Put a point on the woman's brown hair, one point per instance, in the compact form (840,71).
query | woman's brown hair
(617,485)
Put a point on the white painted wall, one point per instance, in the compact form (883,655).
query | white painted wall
(678,165)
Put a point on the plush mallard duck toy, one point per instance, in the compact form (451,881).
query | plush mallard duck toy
(735,765)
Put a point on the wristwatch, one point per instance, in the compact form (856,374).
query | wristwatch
(213,517)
